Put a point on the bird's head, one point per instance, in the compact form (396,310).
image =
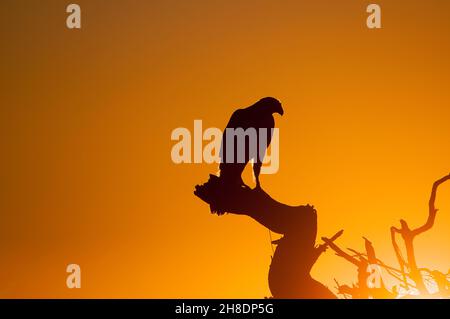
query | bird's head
(271,104)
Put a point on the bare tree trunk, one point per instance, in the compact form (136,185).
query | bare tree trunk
(295,254)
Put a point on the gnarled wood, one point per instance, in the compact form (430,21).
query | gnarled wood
(295,254)
(409,235)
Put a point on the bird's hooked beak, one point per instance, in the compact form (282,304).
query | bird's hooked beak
(280,110)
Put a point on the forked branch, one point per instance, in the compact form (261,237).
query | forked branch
(408,236)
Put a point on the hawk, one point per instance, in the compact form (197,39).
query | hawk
(248,135)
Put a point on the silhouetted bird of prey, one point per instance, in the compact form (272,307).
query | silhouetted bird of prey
(249,137)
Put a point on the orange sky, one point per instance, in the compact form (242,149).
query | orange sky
(86,118)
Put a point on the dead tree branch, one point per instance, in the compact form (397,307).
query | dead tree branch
(409,235)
